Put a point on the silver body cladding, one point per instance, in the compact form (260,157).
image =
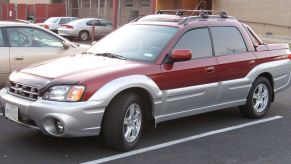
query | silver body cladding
(85,118)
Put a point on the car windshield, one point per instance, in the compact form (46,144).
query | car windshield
(52,20)
(136,42)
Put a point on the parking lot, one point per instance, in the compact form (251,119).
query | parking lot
(216,137)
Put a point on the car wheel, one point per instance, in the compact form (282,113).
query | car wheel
(83,36)
(123,122)
(259,99)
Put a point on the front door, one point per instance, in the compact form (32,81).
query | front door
(4,60)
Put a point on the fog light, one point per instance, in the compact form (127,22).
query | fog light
(59,126)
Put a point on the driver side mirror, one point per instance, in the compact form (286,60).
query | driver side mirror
(181,55)
(66,45)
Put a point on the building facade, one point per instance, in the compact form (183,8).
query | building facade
(127,9)
(270,19)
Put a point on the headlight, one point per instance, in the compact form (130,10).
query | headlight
(65,93)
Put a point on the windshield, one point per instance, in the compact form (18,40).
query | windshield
(136,42)
(52,20)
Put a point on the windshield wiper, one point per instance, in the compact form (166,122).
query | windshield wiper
(88,53)
(111,55)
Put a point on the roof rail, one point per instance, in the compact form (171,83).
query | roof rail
(21,20)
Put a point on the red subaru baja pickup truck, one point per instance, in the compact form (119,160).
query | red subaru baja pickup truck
(156,68)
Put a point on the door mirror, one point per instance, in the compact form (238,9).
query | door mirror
(181,55)
(66,45)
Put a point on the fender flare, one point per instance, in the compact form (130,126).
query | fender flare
(107,92)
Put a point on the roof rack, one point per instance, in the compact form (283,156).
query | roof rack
(202,13)
(180,17)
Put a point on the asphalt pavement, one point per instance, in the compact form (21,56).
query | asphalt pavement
(216,137)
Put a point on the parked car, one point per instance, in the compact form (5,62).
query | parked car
(158,68)
(82,28)
(53,23)
(22,44)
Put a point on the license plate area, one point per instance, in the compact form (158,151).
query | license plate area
(11,112)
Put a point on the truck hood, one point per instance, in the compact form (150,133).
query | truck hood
(79,64)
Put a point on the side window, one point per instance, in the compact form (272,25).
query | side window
(227,40)
(253,37)
(63,21)
(89,23)
(105,23)
(198,41)
(96,23)
(1,39)
(31,37)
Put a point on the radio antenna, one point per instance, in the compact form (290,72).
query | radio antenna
(197,7)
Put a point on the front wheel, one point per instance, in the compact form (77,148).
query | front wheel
(259,99)
(83,36)
(123,122)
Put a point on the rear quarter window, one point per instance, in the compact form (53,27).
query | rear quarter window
(227,40)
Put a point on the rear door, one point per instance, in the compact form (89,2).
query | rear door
(234,63)
(4,59)
(30,45)
(190,84)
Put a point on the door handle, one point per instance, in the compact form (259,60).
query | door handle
(252,62)
(209,69)
(19,58)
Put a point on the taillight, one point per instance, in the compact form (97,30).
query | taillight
(46,26)
(289,56)
(67,26)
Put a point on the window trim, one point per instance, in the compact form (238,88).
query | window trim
(195,28)
(247,50)
(8,44)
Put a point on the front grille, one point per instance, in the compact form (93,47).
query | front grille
(22,90)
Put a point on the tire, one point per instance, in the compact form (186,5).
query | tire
(83,35)
(254,108)
(123,122)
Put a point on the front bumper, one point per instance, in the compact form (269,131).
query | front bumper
(78,118)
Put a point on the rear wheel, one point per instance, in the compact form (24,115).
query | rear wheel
(259,99)
(83,36)
(123,122)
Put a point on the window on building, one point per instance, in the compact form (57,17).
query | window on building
(145,3)
(198,41)
(128,3)
(102,2)
(227,40)
(110,4)
(58,1)
(86,4)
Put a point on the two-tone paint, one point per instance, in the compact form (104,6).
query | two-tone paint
(173,90)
